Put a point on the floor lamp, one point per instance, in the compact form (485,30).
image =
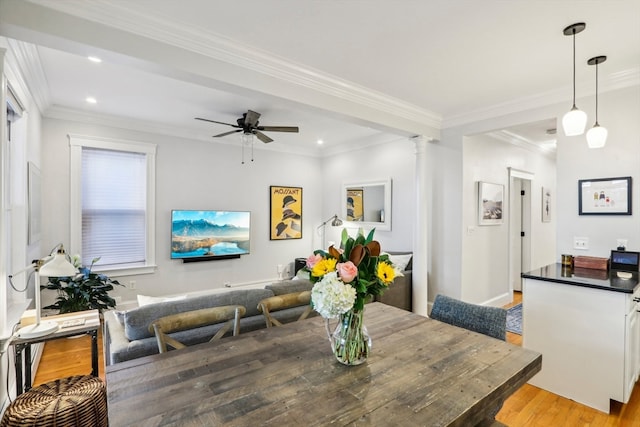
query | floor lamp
(50,266)
(335,222)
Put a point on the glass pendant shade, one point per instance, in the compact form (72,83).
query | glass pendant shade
(597,136)
(574,122)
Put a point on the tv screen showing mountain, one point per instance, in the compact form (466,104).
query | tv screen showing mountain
(209,233)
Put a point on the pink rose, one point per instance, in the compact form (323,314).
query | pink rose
(347,271)
(313,260)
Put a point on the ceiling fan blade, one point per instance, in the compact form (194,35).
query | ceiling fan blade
(279,128)
(227,133)
(262,137)
(251,118)
(213,121)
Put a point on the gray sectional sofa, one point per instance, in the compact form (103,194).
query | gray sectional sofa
(126,333)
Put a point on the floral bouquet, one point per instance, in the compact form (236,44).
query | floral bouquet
(343,281)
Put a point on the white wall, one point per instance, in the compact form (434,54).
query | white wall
(393,159)
(485,248)
(457,271)
(619,112)
(194,175)
(16,252)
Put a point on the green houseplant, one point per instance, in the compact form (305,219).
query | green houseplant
(84,291)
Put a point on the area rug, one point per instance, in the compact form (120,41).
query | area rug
(514,319)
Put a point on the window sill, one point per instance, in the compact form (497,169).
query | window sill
(127,271)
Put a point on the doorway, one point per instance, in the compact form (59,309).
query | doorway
(519,226)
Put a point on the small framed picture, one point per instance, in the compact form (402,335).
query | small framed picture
(490,201)
(546,204)
(286,213)
(604,196)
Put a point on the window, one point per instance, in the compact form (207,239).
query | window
(112,204)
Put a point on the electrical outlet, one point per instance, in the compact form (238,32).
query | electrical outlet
(581,243)
(132,284)
(227,284)
(621,243)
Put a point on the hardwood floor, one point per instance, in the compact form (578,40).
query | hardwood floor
(529,406)
(532,406)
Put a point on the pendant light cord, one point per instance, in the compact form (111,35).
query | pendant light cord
(574,68)
(597,95)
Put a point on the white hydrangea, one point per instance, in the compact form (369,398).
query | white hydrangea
(331,297)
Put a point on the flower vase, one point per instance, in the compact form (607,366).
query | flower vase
(350,340)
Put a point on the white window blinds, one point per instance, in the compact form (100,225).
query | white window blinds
(114,200)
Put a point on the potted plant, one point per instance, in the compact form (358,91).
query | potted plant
(84,291)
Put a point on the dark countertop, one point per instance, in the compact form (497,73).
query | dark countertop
(586,277)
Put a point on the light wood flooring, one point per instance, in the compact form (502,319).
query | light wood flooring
(529,406)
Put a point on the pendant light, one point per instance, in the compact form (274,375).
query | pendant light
(575,120)
(597,135)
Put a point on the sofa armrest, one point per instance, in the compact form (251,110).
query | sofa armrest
(114,338)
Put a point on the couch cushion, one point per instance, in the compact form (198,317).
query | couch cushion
(403,260)
(290,286)
(137,321)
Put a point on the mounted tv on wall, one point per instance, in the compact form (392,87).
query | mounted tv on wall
(209,235)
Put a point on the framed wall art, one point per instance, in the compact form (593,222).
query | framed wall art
(490,201)
(604,196)
(355,204)
(286,213)
(546,204)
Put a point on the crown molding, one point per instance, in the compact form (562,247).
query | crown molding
(27,60)
(614,81)
(543,148)
(124,16)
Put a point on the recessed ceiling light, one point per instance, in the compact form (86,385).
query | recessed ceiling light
(320,142)
(91,100)
(94,59)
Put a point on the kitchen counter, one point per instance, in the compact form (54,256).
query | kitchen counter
(586,324)
(585,277)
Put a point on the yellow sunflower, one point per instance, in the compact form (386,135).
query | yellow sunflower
(386,273)
(324,266)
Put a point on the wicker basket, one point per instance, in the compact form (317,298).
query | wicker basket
(73,401)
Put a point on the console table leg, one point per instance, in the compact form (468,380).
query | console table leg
(27,367)
(94,353)
(18,368)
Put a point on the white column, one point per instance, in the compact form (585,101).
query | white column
(420,246)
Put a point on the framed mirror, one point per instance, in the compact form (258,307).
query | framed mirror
(367,204)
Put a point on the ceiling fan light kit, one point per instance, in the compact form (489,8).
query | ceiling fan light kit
(249,125)
(575,120)
(597,135)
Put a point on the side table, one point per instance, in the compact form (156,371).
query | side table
(90,326)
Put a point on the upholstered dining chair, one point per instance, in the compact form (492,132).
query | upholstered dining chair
(163,326)
(491,321)
(280,302)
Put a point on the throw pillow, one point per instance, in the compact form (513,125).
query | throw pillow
(146,300)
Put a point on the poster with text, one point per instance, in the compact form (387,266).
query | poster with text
(286,213)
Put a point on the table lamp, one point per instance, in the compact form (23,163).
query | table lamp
(54,266)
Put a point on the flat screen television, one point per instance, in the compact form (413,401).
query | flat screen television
(209,234)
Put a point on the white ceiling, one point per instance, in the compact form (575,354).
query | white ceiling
(451,60)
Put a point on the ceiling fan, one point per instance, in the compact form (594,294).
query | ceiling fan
(249,124)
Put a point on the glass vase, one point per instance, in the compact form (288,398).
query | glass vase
(350,340)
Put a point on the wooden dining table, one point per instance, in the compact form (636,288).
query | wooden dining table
(420,372)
